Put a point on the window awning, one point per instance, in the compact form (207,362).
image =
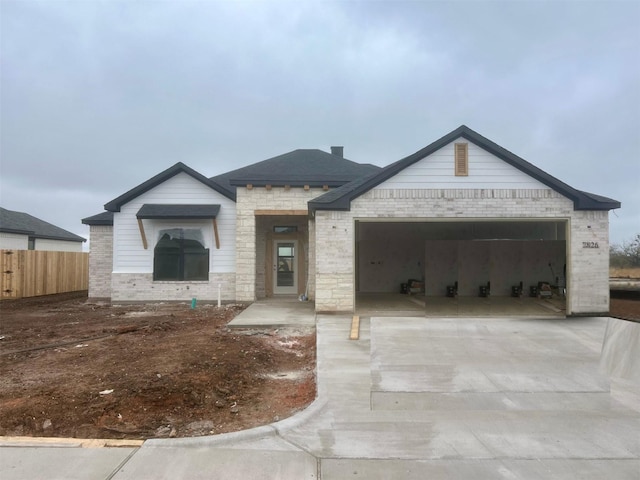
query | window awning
(173,211)
(160,211)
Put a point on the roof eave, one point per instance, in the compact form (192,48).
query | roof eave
(32,234)
(581,201)
(230,194)
(115,204)
(100,219)
(292,183)
(592,205)
(340,205)
(97,223)
(17,231)
(53,237)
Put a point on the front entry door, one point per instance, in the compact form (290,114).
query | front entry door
(285,267)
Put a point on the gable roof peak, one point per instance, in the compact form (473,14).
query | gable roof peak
(179,167)
(342,200)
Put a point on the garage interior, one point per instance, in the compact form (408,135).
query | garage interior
(451,268)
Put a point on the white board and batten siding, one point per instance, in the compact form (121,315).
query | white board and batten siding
(437,171)
(129,255)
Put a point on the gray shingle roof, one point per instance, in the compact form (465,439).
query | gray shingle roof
(104,218)
(25,224)
(173,211)
(300,167)
(340,199)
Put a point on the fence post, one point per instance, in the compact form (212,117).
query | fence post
(10,274)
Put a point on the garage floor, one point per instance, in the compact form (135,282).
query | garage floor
(394,304)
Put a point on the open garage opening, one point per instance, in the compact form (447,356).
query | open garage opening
(443,266)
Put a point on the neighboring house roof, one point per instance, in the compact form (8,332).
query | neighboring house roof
(340,199)
(104,218)
(300,167)
(25,224)
(116,204)
(173,211)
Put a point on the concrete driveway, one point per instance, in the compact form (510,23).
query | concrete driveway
(470,398)
(413,398)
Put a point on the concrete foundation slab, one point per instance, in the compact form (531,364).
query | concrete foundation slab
(402,305)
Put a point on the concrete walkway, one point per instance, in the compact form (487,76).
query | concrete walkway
(413,398)
(276,312)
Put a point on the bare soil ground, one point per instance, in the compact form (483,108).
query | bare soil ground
(73,369)
(625,305)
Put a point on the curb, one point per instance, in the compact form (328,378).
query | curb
(301,417)
(271,430)
(54,442)
(258,433)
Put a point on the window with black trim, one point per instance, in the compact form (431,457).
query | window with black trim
(285,229)
(180,255)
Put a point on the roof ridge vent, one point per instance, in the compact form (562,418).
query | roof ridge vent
(337,151)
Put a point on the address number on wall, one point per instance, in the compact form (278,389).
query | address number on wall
(590,245)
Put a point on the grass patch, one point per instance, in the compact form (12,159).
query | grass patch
(624,272)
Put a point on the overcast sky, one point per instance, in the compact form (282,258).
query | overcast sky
(97,97)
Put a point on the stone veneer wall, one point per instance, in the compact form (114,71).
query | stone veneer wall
(587,268)
(100,261)
(335,262)
(311,287)
(247,202)
(140,287)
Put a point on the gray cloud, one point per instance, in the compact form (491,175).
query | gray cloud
(96,97)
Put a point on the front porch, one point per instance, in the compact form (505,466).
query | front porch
(282,254)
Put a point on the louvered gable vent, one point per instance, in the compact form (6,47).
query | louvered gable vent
(462,159)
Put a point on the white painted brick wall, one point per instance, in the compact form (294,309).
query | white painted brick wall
(100,261)
(586,268)
(589,275)
(140,287)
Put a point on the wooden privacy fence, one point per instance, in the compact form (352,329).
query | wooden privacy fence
(29,273)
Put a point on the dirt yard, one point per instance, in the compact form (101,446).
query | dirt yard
(625,305)
(73,369)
